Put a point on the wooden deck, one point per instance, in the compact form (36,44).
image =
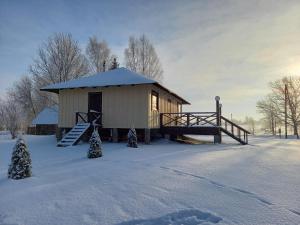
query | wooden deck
(201,123)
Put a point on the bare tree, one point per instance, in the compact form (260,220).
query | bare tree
(23,93)
(11,116)
(270,112)
(250,122)
(293,99)
(141,57)
(59,59)
(98,54)
(273,106)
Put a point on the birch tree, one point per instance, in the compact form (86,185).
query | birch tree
(141,57)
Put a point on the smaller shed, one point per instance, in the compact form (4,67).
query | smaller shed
(46,122)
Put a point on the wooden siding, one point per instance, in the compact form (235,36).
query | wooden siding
(70,102)
(122,106)
(164,96)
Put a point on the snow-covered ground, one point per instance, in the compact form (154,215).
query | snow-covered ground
(159,184)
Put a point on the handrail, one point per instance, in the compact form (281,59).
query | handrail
(89,117)
(234,124)
(188,119)
(191,113)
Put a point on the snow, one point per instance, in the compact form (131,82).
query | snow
(48,116)
(120,76)
(159,184)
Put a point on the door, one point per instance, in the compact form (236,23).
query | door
(95,107)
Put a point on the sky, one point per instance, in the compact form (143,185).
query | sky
(232,49)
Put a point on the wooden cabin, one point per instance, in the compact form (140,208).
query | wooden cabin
(118,99)
(45,122)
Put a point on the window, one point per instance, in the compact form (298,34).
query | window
(154,101)
(179,107)
(169,106)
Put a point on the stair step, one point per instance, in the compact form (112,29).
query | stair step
(73,135)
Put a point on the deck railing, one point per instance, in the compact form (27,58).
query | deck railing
(211,120)
(188,119)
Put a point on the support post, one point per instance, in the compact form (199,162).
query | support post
(285,109)
(147,136)
(218,137)
(161,123)
(115,135)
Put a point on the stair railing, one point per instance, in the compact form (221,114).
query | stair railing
(92,116)
(234,129)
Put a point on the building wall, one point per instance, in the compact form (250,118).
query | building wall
(153,118)
(122,106)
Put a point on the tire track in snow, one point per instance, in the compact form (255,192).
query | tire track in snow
(219,185)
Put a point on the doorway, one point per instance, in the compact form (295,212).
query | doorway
(94,105)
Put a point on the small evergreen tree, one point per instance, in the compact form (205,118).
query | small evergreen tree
(20,166)
(132,138)
(95,145)
(114,64)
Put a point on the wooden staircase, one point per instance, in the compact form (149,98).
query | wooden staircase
(234,131)
(74,135)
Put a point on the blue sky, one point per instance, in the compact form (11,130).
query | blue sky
(207,48)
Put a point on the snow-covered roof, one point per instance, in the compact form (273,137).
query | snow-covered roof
(48,116)
(120,76)
(116,77)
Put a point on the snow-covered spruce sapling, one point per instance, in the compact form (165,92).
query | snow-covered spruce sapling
(95,145)
(132,138)
(20,166)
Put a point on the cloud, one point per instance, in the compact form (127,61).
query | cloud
(227,48)
(232,52)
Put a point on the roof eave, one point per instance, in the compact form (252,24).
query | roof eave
(185,102)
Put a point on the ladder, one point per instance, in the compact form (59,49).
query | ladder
(74,135)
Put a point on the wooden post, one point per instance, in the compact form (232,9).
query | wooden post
(220,121)
(161,119)
(188,119)
(115,135)
(147,136)
(218,137)
(220,112)
(285,109)
(217,98)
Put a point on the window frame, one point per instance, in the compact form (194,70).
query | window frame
(154,93)
(169,105)
(179,107)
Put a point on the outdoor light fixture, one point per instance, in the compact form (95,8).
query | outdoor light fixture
(217,98)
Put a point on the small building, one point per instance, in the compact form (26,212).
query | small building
(118,99)
(46,122)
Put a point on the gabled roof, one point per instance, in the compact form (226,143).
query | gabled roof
(49,115)
(116,77)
